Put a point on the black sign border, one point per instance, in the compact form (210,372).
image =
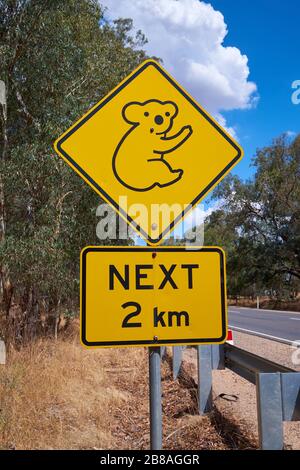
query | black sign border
(149,343)
(106,196)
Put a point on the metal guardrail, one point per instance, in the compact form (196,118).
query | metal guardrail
(247,364)
(277,387)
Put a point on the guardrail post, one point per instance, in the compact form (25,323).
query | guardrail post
(290,390)
(176,360)
(269,411)
(204,360)
(155,399)
(162,351)
(217,360)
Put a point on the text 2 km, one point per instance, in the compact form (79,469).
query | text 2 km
(141,274)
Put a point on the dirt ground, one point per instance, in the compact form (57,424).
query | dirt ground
(182,427)
(240,399)
(57,395)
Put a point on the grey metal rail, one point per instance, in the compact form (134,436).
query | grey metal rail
(247,364)
(277,387)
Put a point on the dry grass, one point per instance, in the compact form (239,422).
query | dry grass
(56,395)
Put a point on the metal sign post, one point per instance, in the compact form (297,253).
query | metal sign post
(155,399)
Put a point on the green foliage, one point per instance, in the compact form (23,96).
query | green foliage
(57,58)
(259,223)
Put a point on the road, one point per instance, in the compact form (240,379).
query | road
(272,323)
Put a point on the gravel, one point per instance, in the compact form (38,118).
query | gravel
(240,400)
(283,354)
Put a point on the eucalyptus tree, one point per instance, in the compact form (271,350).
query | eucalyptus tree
(57,60)
(259,222)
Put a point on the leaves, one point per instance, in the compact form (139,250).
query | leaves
(57,60)
(259,222)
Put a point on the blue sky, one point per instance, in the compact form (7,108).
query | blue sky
(267,31)
(238,59)
(207,53)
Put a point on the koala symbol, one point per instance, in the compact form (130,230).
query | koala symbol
(138,161)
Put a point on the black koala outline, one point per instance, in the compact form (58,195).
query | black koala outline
(171,147)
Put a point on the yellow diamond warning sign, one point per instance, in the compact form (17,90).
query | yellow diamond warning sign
(149,150)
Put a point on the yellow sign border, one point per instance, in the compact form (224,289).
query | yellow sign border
(68,159)
(149,343)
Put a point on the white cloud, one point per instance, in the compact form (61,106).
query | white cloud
(290,134)
(196,217)
(188,35)
(222,121)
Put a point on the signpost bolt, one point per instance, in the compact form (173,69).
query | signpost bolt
(154,226)
(155,338)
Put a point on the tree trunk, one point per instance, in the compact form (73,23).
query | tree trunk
(6,285)
(57,320)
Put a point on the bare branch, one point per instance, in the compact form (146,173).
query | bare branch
(59,206)
(24,108)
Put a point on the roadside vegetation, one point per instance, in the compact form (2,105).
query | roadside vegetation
(258,225)
(57,60)
(56,395)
